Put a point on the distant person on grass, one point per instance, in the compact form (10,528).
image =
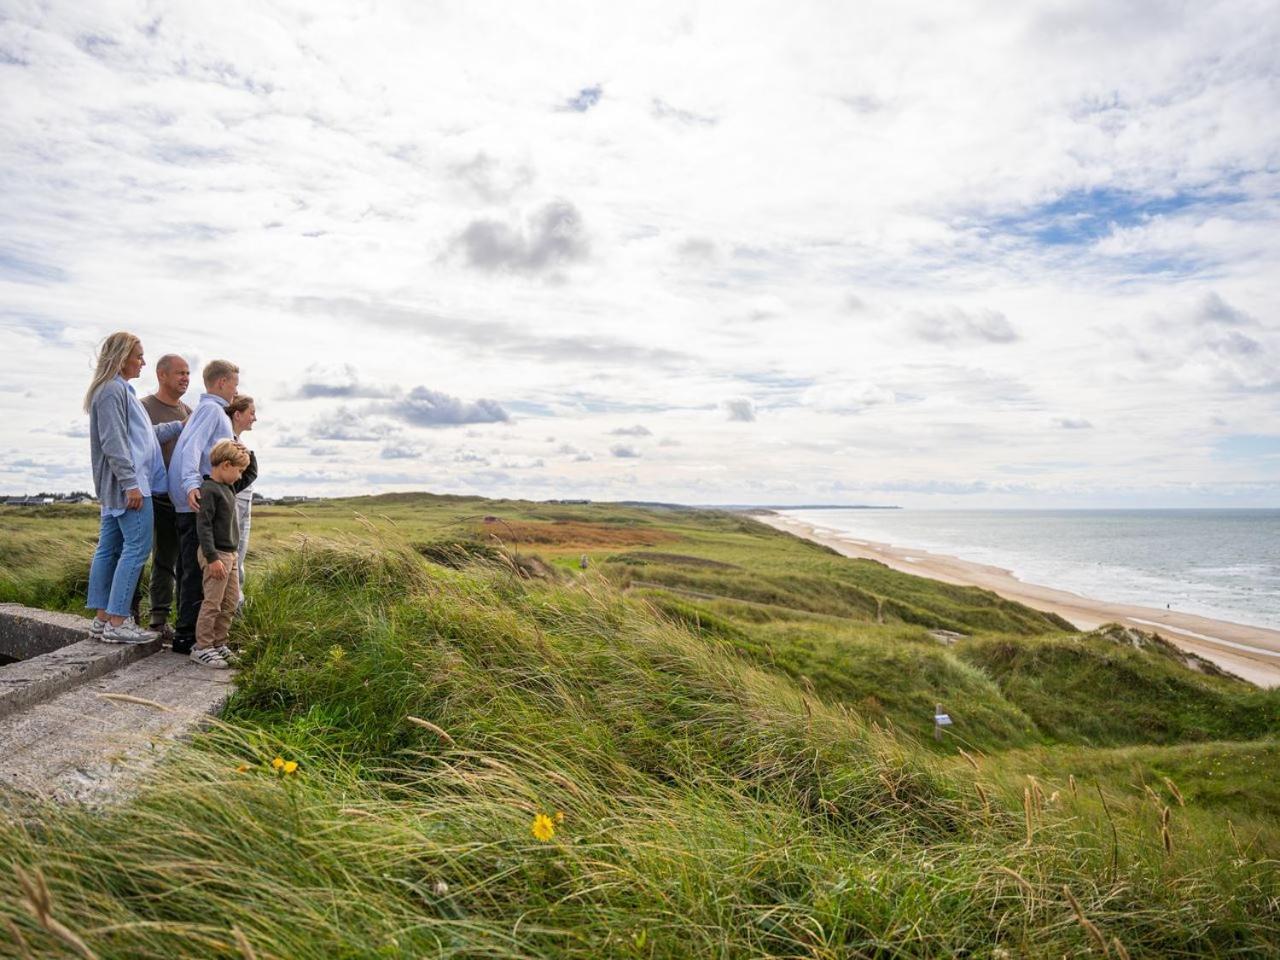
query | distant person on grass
(218,530)
(243,416)
(173,377)
(187,470)
(124,448)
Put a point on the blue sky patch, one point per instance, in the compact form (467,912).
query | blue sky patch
(1248,446)
(585,99)
(1085,216)
(14,267)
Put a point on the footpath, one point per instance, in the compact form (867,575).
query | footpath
(80,719)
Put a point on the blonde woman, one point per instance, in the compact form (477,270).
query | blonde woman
(124,449)
(243,416)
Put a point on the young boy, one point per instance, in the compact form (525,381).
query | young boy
(219,535)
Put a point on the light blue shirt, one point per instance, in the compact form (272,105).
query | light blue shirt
(207,425)
(144,448)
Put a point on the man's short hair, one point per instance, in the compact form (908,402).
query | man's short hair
(165,362)
(215,370)
(227,451)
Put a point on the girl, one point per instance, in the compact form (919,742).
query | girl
(243,416)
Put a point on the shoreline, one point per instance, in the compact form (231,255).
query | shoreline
(1251,653)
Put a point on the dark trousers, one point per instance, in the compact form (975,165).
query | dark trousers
(164,559)
(190,583)
(164,563)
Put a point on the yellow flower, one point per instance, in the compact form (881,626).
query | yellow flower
(278,762)
(291,766)
(559,816)
(543,828)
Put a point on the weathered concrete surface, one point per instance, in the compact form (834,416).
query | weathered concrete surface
(27,683)
(26,632)
(86,745)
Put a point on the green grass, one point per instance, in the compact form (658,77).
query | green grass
(737,737)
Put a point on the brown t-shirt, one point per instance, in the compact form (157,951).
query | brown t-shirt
(161,412)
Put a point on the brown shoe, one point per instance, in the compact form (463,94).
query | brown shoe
(165,631)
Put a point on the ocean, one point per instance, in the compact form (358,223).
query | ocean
(1223,564)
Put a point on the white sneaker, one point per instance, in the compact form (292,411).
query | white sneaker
(228,654)
(96,627)
(208,657)
(127,632)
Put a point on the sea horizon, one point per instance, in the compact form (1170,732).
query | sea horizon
(1217,562)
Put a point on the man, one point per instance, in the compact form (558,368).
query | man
(173,376)
(189,465)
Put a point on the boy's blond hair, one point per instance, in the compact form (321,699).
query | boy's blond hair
(215,370)
(226,451)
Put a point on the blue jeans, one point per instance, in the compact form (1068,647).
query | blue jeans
(124,543)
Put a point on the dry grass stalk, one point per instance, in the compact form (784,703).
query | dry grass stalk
(964,753)
(40,902)
(562,780)
(493,764)
(140,701)
(1027,812)
(428,725)
(355,812)
(893,792)
(1177,794)
(1029,890)
(1071,782)
(986,803)
(24,951)
(1037,795)
(1090,928)
(1165,835)
(1155,797)
(246,948)
(1121,952)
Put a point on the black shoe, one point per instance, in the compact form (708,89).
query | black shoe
(183,647)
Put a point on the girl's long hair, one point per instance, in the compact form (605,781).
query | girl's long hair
(114,352)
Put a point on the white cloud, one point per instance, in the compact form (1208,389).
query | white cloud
(1060,213)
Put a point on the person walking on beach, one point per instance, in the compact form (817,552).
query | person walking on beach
(243,416)
(173,376)
(188,468)
(128,466)
(218,533)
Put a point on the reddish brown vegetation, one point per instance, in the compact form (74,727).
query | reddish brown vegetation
(568,533)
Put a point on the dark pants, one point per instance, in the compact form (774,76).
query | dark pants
(190,583)
(164,560)
(164,563)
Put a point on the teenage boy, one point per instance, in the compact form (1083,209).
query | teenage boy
(219,534)
(173,376)
(189,466)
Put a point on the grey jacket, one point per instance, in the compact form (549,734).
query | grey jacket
(110,453)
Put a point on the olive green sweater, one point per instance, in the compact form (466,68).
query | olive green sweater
(216,523)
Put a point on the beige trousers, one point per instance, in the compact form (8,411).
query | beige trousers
(220,598)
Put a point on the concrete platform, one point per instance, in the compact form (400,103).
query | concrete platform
(86,743)
(32,681)
(26,632)
(79,718)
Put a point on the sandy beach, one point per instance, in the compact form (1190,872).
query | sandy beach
(1249,652)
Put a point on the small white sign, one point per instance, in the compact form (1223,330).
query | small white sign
(942,719)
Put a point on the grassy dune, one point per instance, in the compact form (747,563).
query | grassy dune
(728,729)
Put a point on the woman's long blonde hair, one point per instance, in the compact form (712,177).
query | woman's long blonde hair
(114,352)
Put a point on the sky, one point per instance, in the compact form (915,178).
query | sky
(932,255)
